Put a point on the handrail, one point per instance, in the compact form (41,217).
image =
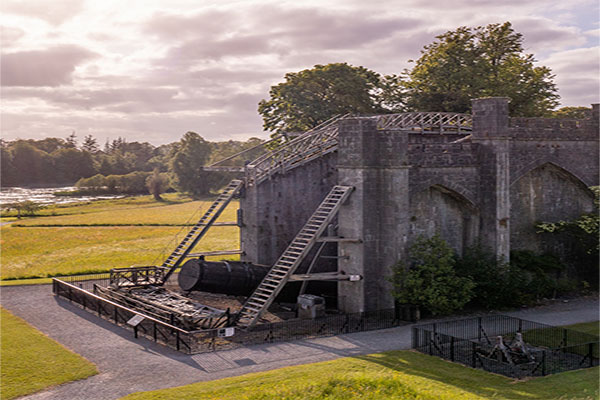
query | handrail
(323,139)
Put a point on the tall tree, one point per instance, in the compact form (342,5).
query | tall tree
(90,144)
(189,157)
(312,96)
(71,141)
(476,62)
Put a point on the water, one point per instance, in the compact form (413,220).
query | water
(45,195)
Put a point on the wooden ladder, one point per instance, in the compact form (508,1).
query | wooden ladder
(259,301)
(200,229)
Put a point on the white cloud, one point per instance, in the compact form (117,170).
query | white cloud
(152,70)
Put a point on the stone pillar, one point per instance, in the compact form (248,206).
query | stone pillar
(374,163)
(491,133)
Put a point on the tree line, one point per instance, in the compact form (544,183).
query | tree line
(119,166)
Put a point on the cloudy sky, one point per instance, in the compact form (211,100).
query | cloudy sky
(153,70)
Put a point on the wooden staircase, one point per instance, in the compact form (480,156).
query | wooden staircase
(259,301)
(199,230)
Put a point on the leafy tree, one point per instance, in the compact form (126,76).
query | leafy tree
(71,164)
(431,281)
(26,207)
(8,172)
(312,96)
(157,184)
(94,183)
(190,155)
(572,113)
(32,165)
(477,62)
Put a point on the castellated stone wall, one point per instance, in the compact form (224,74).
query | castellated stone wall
(489,186)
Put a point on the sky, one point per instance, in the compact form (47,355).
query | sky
(153,70)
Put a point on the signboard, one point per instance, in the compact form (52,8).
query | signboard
(135,320)
(226,332)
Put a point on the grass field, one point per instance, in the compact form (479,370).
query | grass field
(390,375)
(30,361)
(129,212)
(32,252)
(593,328)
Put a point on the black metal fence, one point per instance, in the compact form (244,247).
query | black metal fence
(80,290)
(476,342)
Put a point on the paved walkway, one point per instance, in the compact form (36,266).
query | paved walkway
(130,365)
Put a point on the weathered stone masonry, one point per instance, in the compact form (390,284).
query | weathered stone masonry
(489,186)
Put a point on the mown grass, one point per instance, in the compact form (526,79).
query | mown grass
(30,361)
(390,375)
(43,252)
(119,213)
(39,252)
(592,328)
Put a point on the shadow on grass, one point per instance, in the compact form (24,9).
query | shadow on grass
(581,384)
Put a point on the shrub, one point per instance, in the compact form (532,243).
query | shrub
(431,281)
(527,277)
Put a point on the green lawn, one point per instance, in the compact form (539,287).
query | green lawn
(593,328)
(390,375)
(32,252)
(30,361)
(124,213)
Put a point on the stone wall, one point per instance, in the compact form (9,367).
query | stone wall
(488,187)
(274,211)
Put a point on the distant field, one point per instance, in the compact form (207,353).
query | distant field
(391,375)
(29,252)
(30,361)
(122,212)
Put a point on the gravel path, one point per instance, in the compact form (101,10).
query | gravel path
(130,365)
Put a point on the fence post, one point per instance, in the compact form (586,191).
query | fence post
(591,354)
(520,325)
(544,363)
(473,355)
(177,340)
(479,329)
(135,332)
(451,348)
(429,341)
(83,301)
(154,331)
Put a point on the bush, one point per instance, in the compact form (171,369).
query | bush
(541,271)
(431,281)
(527,278)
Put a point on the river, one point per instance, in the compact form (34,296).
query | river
(44,195)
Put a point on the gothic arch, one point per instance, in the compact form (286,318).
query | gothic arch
(438,209)
(524,170)
(449,185)
(545,193)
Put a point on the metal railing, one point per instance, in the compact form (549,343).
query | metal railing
(79,290)
(474,342)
